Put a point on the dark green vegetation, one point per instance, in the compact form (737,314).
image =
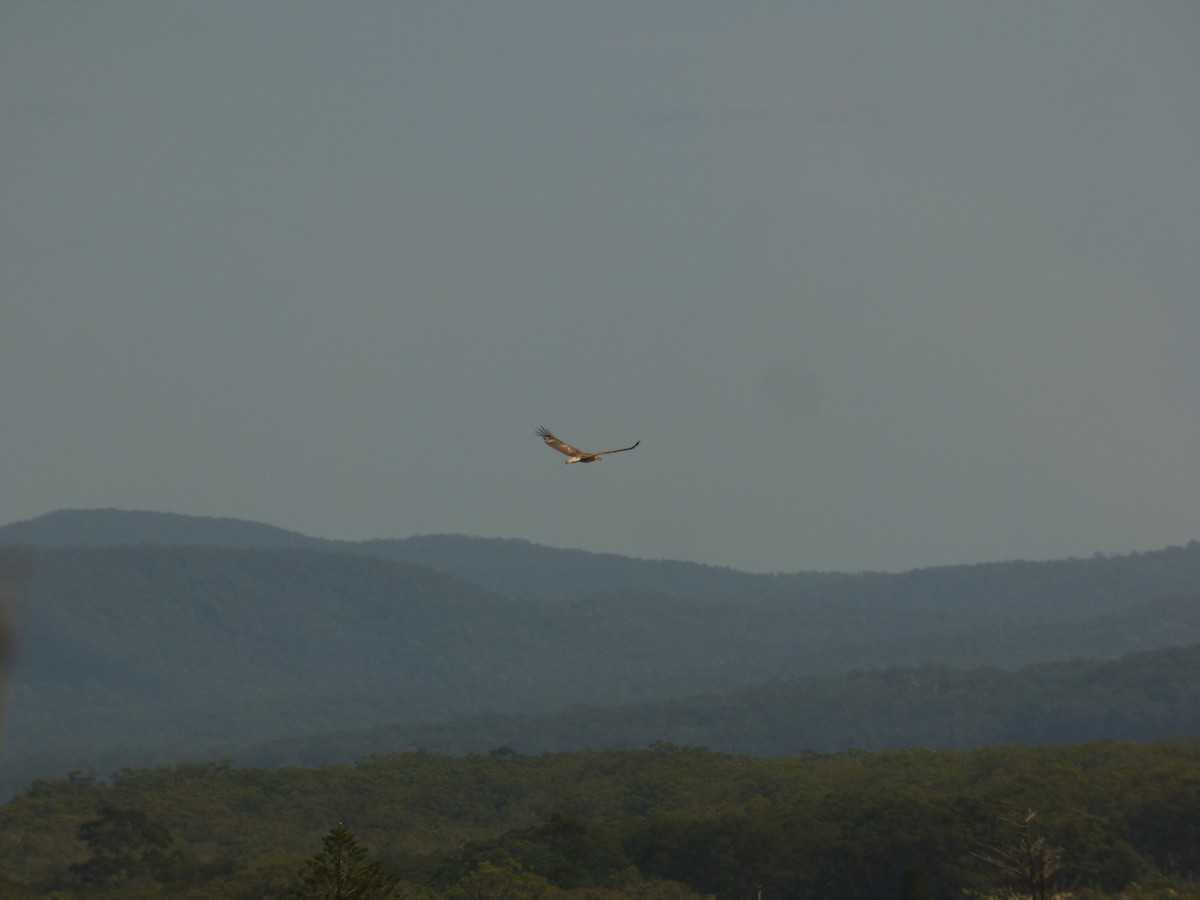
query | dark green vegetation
(154,638)
(1141,696)
(657,823)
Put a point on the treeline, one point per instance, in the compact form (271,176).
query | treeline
(1142,696)
(660,822)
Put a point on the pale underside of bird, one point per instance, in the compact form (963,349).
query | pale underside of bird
(574,454)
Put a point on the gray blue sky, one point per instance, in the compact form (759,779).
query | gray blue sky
(878,285)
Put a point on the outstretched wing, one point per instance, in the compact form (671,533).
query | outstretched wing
(620,450)
(560,446)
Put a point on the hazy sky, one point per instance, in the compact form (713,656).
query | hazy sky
(877,285)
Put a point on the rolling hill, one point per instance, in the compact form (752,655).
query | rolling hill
(1142,696)
(150,636)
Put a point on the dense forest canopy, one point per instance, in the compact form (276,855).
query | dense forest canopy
(659,822)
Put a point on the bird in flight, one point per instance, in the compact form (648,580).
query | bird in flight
(574,454)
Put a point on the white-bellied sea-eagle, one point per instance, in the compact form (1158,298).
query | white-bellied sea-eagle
(574,454)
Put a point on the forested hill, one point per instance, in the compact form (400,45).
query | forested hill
(1142,696)
(1058,589)
(144,639)
(515,567)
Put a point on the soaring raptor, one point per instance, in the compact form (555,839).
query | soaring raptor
(574,454)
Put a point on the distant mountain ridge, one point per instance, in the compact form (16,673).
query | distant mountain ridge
(113,527)
(501,564)
(1040,590)
(165,635)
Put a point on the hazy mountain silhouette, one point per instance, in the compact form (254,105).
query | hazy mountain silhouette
(152,636)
